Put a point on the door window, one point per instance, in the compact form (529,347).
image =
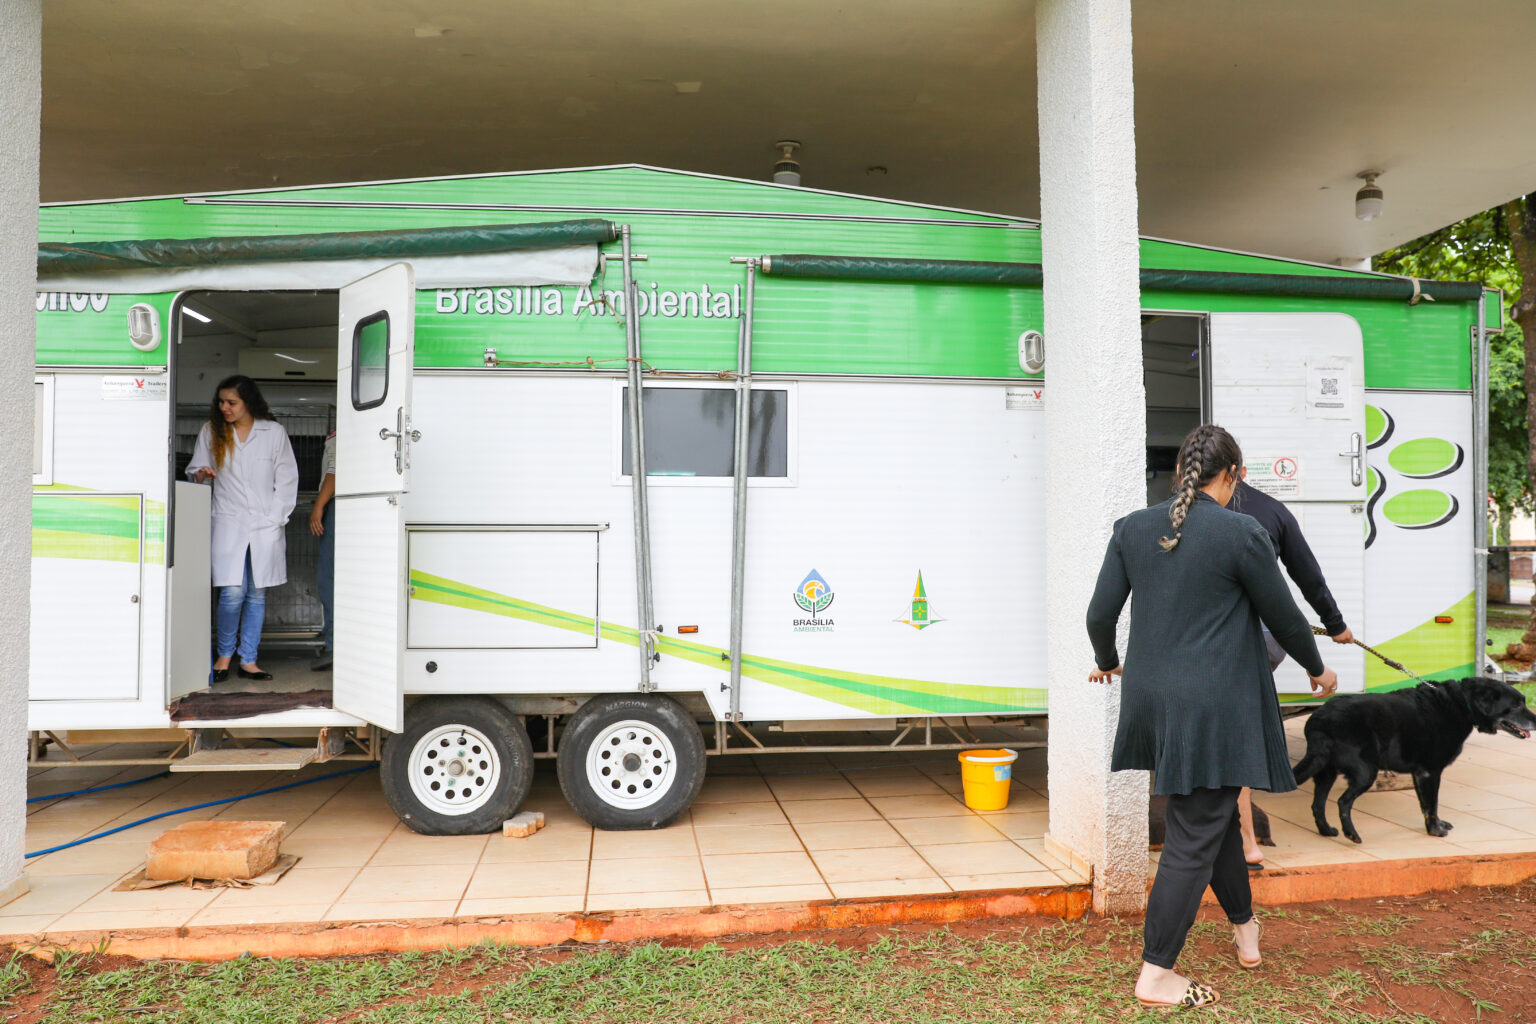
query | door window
(370,361)
(690,432)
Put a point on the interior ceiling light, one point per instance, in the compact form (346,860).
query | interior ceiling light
(787,170)
(195,315)
(1368,199)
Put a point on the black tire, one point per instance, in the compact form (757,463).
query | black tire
(635,781)
(500,757)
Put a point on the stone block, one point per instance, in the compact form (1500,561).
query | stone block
(522,824)
(214,849)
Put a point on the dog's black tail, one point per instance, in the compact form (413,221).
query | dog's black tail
(1319,747)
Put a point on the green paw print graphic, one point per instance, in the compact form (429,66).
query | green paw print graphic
(1423,458)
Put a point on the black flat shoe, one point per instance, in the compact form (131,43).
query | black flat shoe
(220,674)
(254,675)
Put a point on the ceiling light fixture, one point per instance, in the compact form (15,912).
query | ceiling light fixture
(787,170)
(195,315)
(1368,199)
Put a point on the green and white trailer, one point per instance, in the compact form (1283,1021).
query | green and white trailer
(859,546)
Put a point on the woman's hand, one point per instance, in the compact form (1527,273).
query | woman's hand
(1326,684)
(203,476)
(1100,676)
(317,520)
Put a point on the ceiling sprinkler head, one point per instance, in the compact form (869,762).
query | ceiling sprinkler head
(1369,199)
(787,170)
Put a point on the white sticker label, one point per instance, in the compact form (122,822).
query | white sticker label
(135,389)
(1328,392)
(1025,399)
(1278,476)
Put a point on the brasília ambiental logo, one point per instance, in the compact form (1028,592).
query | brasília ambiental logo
(813,594)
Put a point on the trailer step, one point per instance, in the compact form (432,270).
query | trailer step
(236,760)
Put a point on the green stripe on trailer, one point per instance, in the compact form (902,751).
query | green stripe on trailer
(71,524)
(873,694)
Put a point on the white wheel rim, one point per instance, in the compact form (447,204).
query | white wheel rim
(631,764)
(454,769)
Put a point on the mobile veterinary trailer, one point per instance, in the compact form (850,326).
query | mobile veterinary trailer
(858,547)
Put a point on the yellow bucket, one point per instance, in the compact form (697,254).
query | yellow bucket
(986,774)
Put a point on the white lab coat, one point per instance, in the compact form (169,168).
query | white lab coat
(253,496)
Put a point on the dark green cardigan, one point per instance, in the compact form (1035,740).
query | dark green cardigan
(1197,698)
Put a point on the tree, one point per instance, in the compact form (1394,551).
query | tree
(1497,248)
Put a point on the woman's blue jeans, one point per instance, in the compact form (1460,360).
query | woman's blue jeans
(241,612)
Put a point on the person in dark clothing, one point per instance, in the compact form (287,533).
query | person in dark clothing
(1301,565)
(1197,700)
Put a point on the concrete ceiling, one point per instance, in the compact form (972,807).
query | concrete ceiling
(1252,117)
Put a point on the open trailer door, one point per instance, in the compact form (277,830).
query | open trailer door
(376,342)
(1290,387)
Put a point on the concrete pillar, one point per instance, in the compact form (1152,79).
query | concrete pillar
(21,25)
(1095,419)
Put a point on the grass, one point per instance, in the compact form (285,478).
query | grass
(1053,973)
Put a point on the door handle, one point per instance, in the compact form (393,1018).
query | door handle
(401,432)
(1356,457)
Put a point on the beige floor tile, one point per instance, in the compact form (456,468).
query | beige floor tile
(406,847)
(384,884)
(821,786)
(1417,847)
(356,825)
(404,910)
(25,927)
(918,806)
(994,858)
(108,920)
(748,839)
(215,914)
(98,858)
(1521,791)
(172,897)
(745,788)
(1350,854)
(1010,880)
(525,880)
(650,874)
(802,812)
(760,813)
(889,887)
(331,852)
(1522,819)
(58,894)
(41,837)
(871,865)
(513,906)
(913,783)
(301,886)
(682,899)
(1470,798)
(948,829)
(741,870)
(849,835)
(1525,844)
(543,845)
(674,841)
(771,894)
(1019,824)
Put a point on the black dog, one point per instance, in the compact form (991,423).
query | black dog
(1416,731)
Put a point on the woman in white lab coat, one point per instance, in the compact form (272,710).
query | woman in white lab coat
(245,454)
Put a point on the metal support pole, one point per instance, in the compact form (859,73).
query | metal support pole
(740,472)
(645,619)
(1480,486)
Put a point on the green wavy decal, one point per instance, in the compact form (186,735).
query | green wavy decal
(1420,509)
(878,695)
(70,522)
(1378,426)
(1432,649)
(1426,458)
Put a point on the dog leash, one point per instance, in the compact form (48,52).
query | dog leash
(1320,631)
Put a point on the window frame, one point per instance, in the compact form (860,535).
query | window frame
(357,339)
(791,436)
(44,478)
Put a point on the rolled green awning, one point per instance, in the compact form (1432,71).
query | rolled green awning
(161,253)
(1030,275)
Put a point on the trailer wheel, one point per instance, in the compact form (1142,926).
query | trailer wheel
(462,766)
(631,762)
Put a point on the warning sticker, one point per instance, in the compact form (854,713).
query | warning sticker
(1278,476)
(1025,399)
(1328,392)
(135,389)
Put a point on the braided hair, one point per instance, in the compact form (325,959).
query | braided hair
(1207,452)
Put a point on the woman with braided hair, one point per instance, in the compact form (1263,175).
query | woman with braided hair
(1197,700)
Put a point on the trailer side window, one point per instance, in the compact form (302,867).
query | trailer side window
(689,432)
(370,361)
(42,431)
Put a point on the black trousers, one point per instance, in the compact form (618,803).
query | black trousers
(1203,846)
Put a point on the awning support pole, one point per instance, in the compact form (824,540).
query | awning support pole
(1479,508)
(739,475)
(645,619)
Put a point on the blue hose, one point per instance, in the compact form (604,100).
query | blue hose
(96,789)
(197,807)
